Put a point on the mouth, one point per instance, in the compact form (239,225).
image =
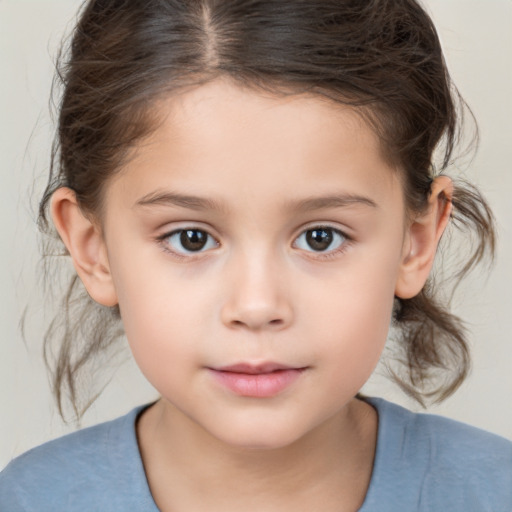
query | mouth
(258,381)
(259,369)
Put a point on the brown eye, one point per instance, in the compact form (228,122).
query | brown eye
(320,239)
(193,239)
(189,240)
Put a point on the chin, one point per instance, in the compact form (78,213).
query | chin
(259,442)
(259,435)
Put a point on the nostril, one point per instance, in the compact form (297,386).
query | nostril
(240,323)
(256,315)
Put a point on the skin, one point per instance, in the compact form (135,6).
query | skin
(256,292)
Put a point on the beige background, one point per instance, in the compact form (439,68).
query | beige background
(477,37)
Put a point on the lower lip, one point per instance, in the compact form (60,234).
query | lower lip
(262,385)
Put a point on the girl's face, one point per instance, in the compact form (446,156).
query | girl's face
(255,244)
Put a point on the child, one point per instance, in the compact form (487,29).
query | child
(251,188)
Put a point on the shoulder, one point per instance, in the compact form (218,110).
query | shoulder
(449,462)
(79,471)
(455,445)
(446,438)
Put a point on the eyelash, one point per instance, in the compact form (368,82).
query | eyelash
(333,253)
(317,254)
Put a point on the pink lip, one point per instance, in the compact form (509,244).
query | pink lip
(259,381)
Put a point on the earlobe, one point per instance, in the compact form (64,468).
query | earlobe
(422,239)
(84,241)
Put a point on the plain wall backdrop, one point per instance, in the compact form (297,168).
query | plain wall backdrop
(477,39)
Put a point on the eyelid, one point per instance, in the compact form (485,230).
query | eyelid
(188,255)
(347,241)
(324,225)
(329,254)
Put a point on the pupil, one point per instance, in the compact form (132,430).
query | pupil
(319,239)
(192,239)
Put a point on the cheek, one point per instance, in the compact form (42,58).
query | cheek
(357,328)
(353,312)
(160,311)
(160,335)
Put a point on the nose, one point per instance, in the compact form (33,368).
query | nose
(258,295)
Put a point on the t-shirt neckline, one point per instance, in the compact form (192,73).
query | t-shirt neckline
(372,493)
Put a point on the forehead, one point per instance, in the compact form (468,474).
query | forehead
(223,139)
(210,111)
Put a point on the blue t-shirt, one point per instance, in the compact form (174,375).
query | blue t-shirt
(423,462)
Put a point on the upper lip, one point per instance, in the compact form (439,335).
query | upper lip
(254,369)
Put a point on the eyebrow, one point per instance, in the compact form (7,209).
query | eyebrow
(181,200)
(303,205)
(332,201)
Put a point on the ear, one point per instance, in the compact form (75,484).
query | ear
(422,239)
(84,241)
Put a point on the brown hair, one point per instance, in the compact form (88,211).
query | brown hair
(381,56)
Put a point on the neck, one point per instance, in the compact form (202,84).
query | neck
(331,465)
